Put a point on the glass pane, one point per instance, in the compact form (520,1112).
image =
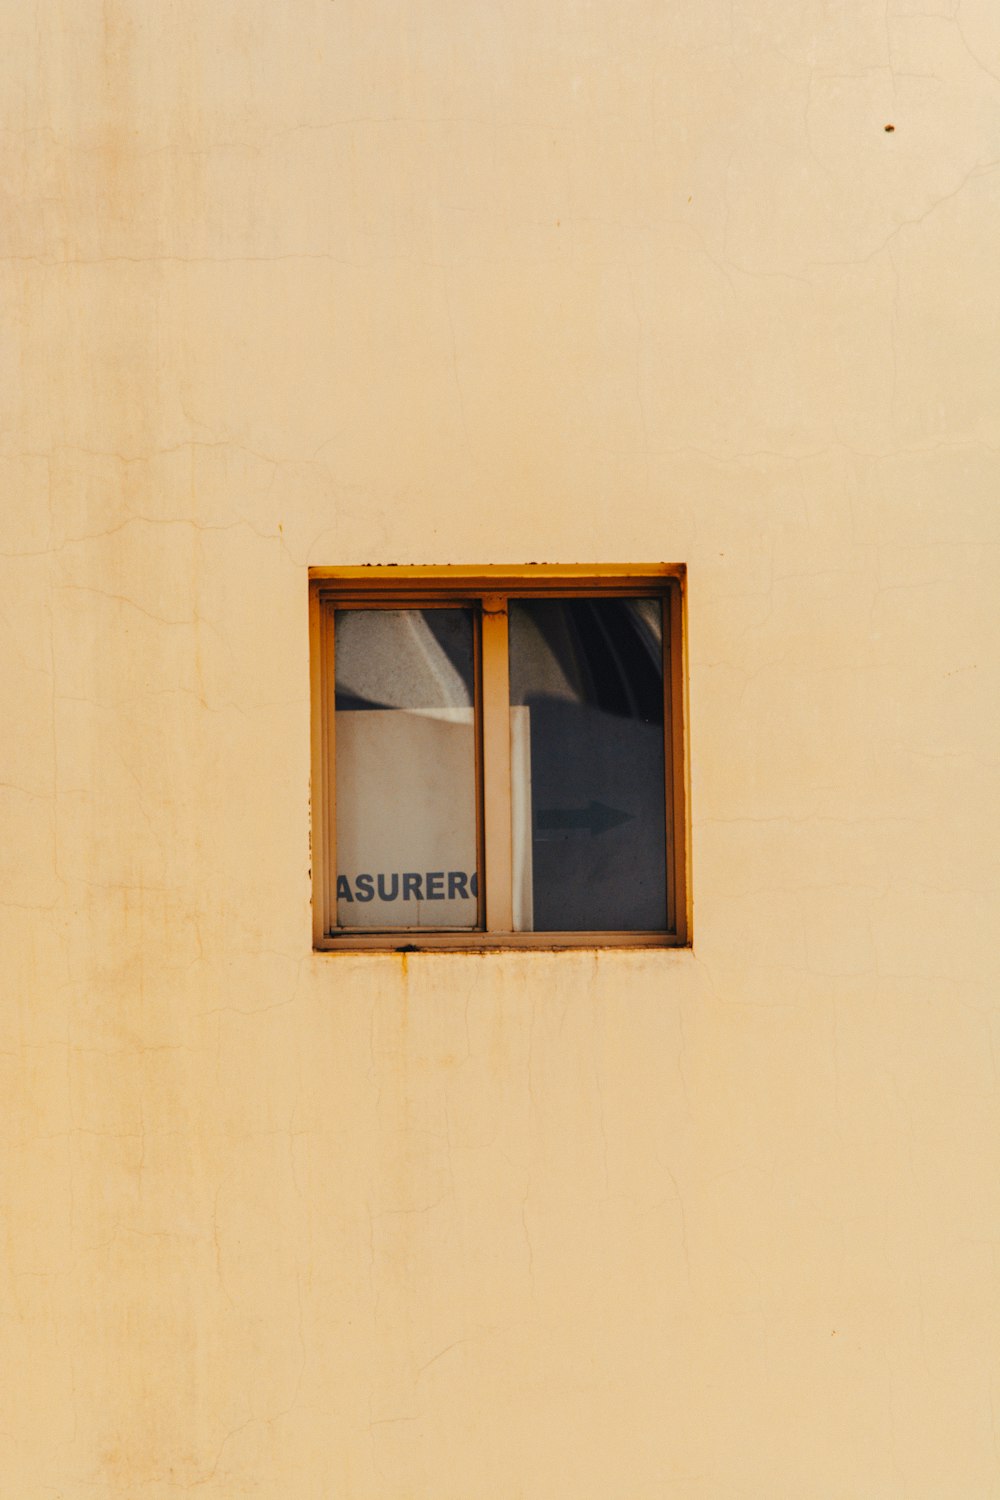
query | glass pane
(405,768)
(586,692)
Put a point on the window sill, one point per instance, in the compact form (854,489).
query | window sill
(495,942)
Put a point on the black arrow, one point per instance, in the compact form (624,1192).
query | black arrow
(597,818)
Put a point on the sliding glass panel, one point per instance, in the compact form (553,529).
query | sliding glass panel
(588,814)
(405,768)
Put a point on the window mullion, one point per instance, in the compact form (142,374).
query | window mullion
(496,766)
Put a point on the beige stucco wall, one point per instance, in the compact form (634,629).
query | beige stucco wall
(338,281)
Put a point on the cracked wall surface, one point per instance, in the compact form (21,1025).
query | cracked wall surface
(339,282)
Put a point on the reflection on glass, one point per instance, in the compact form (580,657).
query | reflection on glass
(586,692)
(405,768)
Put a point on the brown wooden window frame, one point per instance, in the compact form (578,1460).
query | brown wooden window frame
(487,590)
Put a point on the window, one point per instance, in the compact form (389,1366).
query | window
(498,758)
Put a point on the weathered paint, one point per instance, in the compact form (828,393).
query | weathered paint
(343,283)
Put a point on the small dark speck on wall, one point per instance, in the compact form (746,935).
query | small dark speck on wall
(889,129)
